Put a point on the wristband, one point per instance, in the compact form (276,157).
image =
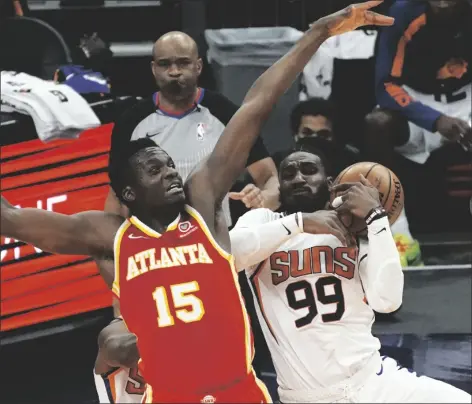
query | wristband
(374,214)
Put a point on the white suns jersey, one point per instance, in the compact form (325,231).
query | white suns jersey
(120,385)
(312,309)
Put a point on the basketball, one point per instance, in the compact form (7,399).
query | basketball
(387,183)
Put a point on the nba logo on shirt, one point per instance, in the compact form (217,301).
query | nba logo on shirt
(201,129)
(186,228)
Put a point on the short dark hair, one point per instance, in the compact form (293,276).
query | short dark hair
(120,171)
(313,106)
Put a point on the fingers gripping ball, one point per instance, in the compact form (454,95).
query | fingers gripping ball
(387,183)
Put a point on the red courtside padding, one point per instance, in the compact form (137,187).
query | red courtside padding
(66,176)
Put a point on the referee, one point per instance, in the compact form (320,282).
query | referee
(187,121)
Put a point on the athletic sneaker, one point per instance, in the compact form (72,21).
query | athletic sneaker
(409,250)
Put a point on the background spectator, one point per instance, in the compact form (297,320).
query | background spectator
(314,125)
(423,87)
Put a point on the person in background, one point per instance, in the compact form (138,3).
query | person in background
(423,89)
(313,125)
(187,121)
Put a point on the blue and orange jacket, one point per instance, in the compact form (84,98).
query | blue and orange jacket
(422,54)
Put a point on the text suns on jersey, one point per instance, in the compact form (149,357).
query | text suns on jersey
(332,262)
(315,260)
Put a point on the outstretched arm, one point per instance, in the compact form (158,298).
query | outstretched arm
(88,233)
(229,157)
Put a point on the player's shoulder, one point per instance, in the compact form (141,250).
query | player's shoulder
(257,216)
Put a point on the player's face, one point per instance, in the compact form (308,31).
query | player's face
(157,182)
(176,68)
(303,184)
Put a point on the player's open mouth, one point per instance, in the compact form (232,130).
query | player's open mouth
(175,188)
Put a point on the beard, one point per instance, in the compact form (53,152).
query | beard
(176,90)
(306,203)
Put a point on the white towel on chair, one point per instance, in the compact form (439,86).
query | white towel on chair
(56,109)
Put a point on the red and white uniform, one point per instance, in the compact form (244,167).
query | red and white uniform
(120,385)
(179,294)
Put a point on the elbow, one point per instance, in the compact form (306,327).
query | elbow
(387,297)
(260,104)
(387,304)
(244,244)
(386,307)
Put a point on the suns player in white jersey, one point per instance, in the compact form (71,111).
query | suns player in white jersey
(116,383)
(315,296)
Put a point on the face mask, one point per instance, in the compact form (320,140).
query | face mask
(326,134)
(321,143)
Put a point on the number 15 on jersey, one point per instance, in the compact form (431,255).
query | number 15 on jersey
(187,307)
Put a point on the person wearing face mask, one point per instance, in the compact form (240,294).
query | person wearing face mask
(313,127)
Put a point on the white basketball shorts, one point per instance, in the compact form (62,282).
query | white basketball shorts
(422,142)
(395,384)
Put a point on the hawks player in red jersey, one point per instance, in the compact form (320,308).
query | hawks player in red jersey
(174,274)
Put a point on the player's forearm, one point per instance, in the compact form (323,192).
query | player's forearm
(121,350)
(273,83)
(7,223)
(382,274)
(252,245)
(392,96)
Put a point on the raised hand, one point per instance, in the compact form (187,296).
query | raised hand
(357,198)
(455,130)
(251,196)
(354,16)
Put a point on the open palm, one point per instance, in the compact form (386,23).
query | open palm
(355,16)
